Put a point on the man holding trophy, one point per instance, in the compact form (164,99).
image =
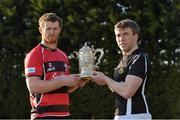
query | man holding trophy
(47,73)
(130,76)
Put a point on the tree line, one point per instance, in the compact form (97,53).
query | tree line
(92,21)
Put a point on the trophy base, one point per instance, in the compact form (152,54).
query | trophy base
(85,78)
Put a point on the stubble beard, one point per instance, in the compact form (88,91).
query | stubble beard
(125,49)
(52,40)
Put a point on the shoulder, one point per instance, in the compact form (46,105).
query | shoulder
(138,55)
(137,60)
(34,53)
(63,53)
(143,57)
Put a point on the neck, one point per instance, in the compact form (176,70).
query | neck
(130,51)
(49,45)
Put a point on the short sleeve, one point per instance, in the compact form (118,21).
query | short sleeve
(138,67)
(33,64)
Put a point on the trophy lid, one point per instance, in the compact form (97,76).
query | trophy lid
(85,48)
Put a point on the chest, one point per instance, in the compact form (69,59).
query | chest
(122,69)
(55,61)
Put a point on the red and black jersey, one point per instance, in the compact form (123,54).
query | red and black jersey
(47,64)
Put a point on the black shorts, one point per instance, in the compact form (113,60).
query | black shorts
(52,117)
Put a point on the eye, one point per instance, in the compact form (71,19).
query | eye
(126,33)
(48,29)
(55,28)
(118,35)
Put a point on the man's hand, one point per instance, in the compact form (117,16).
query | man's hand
(70,80)
(82,83)
(99,78)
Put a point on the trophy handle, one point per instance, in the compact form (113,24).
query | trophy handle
(100,50)
(75,54)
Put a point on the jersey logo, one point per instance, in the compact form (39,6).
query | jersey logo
(56,66)
(30,70)
(51,67)
(50,64)
(121,70)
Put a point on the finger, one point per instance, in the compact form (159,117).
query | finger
(94,73)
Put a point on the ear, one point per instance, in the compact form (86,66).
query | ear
(59,30)
(136,36)
(40,29)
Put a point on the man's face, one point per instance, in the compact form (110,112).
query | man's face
(125,39)
(50,31)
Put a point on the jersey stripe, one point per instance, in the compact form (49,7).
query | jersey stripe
(129,106)
(129,101)
(143,87)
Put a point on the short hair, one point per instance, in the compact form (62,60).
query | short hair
(50,17)
(127,23)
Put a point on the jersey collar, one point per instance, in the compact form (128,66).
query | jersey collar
(138,50)
(48,48)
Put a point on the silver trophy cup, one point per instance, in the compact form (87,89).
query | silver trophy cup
(87,58)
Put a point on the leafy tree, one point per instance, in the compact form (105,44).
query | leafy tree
(91,21)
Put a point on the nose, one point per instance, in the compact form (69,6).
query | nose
(51,31)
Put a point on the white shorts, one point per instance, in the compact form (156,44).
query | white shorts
(144,116)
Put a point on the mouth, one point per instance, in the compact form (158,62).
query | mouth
(122,44)
(52,36)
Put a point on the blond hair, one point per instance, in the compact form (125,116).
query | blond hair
(127,23)
(50,17)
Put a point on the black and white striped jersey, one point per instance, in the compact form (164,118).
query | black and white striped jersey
(135,64)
